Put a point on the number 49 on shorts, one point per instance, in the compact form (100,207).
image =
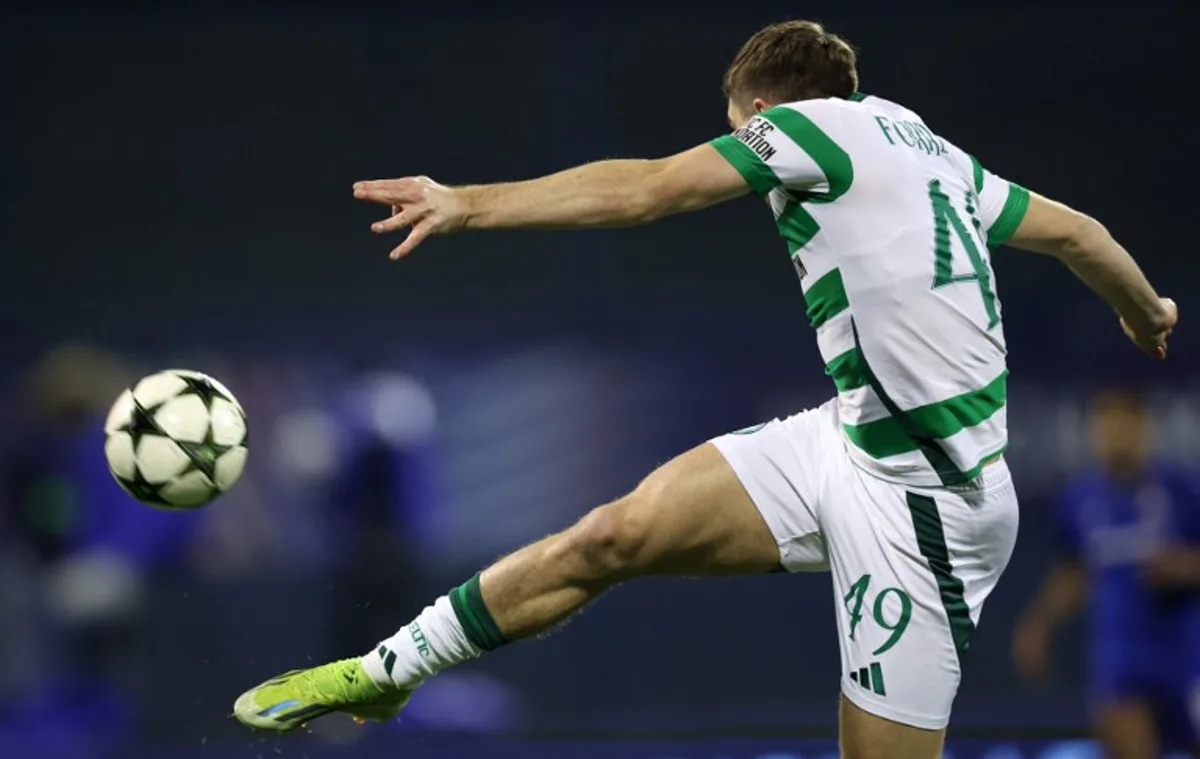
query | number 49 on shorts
(860,595)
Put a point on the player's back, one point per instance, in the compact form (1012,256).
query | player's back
(889,226)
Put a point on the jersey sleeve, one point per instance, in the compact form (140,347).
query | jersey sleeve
(783,146)
(1002,204)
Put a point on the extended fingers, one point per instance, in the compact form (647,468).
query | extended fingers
(415,237)
(399,221)
(410,207)
(389,191)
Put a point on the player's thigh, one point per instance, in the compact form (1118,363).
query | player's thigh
(863,735)
(743,502)
(690,516)
(783,466)
(911,570)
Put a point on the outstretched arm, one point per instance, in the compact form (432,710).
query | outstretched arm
(613,193)
(1086,247)
(606,193)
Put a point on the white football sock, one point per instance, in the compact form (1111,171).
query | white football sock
(422,648)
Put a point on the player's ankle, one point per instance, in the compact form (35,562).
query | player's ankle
(456,627)
(373,665)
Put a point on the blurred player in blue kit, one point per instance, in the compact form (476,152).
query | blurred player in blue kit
(1129,531)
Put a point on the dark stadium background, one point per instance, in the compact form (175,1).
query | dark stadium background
(175,191)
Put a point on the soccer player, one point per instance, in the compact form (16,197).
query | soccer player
(898,485)
(1130,533)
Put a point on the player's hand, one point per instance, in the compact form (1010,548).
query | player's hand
(419,203)
(1155,343)
(1031,649)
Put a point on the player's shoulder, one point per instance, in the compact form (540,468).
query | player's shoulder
(821,111)
(840,118)
(874,104)
(856,105)
(859,112)
(812,124)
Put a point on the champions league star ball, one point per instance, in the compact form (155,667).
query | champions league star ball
(176,439)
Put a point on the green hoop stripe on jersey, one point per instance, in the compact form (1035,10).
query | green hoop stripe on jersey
(931,540)
(886,437)
(826,298)
(848,371)
(923,428)
(757,174)
(797,226)
(1011,215)
(909,430)
(827,154)
(977,171)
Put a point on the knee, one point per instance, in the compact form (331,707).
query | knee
(611,541)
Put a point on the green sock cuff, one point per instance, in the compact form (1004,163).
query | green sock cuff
(477,622)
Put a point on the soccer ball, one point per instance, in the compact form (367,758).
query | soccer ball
(176,439)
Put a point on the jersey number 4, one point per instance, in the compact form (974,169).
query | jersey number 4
(946,222)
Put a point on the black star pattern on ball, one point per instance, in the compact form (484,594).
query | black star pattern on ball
(201,387)
(203,456)
(144,491)
(141,422)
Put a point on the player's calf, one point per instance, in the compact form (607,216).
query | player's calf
(610,543)
(541,585)
(691,517)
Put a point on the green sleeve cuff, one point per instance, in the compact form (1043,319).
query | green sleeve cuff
(757,174)
(1010,216)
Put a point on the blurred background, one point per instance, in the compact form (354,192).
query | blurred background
(175,191)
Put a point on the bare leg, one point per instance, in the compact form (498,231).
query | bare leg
(866,736)
(689,517)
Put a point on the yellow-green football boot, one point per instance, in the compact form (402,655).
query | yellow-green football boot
(289,700)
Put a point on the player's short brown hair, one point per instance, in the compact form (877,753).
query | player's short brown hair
(790,61)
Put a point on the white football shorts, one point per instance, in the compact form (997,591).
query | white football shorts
(911,566)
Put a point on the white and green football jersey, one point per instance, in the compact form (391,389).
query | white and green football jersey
(889,226)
